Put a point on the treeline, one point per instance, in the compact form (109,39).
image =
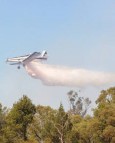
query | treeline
(27,123)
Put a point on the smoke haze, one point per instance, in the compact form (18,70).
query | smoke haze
(61,76)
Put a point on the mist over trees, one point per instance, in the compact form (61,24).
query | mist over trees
(27,123)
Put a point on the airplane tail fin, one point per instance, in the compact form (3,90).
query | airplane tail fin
(44,53)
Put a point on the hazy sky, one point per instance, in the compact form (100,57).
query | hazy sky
(76,33)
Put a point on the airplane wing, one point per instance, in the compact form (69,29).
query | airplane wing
(17,59)
(15,63)
(32,57)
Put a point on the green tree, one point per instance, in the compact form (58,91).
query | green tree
(62,126)
(101,127)
(18,119)
(50,125)
(105,113)
(3,112)
(41,128)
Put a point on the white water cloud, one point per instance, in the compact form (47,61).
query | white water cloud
(62,76)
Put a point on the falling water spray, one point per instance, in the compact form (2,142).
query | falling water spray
(63,76)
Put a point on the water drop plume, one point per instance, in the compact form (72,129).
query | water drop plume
(63,76)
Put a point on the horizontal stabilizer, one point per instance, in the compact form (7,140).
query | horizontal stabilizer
(15,63)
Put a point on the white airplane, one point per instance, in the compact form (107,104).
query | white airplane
(23,60)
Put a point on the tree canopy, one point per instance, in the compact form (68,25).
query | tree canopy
(27,123)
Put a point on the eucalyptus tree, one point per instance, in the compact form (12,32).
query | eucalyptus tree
(78,105)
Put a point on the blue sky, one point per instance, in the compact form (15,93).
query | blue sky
(74,33)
